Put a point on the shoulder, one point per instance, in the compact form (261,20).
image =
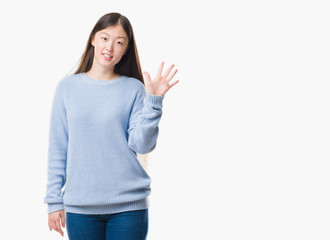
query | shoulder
(134,89)
(67,81)
(135,85)
(134,82)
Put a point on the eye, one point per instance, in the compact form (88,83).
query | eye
(104,38)
(120,43)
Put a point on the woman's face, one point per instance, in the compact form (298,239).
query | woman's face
(110,44)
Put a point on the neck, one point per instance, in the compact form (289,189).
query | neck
(102,73)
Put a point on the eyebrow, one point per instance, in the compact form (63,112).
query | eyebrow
(109,35)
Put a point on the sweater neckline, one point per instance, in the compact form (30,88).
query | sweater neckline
(101,82)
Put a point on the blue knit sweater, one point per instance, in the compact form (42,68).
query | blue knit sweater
(96,129)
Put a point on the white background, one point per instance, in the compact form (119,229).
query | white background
(243,150)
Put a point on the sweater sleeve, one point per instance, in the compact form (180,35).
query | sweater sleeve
(143,123)
(57,153)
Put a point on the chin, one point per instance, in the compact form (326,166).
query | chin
(105,63)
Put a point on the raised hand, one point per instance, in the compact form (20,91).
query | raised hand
(161,83)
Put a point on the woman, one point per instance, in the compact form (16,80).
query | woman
(102,116)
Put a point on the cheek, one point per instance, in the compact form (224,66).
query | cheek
(121,50)
(118,51)
(99,47)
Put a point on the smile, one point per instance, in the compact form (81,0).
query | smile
(107,57)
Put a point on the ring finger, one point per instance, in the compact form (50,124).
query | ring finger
(168,71)
(172,74)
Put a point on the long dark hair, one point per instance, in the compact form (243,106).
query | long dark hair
(129,64)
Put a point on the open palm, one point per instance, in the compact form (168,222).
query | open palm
(161,83)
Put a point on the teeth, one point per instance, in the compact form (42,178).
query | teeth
(108,56)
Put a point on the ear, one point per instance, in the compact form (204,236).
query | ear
(93,41)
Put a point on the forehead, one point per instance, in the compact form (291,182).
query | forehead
(116,31)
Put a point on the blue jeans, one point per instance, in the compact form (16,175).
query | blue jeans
(131,225)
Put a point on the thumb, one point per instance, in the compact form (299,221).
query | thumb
(146,76)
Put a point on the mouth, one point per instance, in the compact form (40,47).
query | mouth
(107,56)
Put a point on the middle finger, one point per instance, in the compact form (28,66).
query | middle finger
(160,69)
(58,228)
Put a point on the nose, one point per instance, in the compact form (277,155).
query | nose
(110,46)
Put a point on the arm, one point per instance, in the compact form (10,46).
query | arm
(57,153)
(147,110)
(143,123)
